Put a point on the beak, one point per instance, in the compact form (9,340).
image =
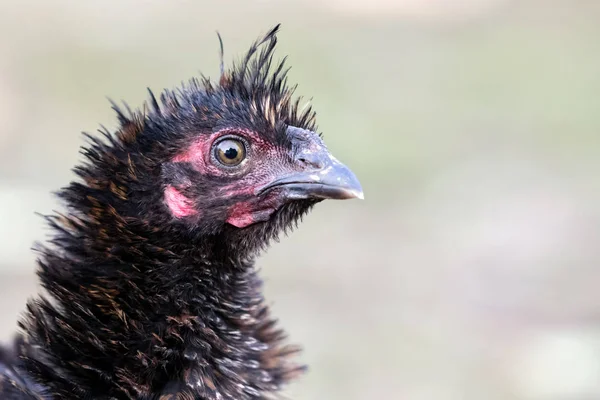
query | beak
(323,177)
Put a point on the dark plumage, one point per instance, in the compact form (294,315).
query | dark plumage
(152,290)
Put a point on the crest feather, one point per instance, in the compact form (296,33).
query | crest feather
(260,80)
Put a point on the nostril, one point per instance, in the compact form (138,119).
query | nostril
(310,161)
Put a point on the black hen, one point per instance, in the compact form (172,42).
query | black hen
(152,288)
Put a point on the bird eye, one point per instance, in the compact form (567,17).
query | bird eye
(230,152)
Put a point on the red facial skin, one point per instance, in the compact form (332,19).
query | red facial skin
(240,215)
(259,168)
(179,205)
(247,213)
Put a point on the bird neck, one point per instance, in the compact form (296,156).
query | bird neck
(133,317)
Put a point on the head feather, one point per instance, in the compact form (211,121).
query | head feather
(263,83)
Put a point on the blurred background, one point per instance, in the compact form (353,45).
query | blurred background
(471,269)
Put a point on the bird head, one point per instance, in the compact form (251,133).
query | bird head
(240,175)
(239,157)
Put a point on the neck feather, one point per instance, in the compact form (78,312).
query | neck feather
(132,316)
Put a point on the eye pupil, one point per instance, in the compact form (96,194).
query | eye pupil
(230,152)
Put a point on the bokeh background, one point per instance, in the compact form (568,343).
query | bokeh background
(471,269)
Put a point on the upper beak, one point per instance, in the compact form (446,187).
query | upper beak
(323,177)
